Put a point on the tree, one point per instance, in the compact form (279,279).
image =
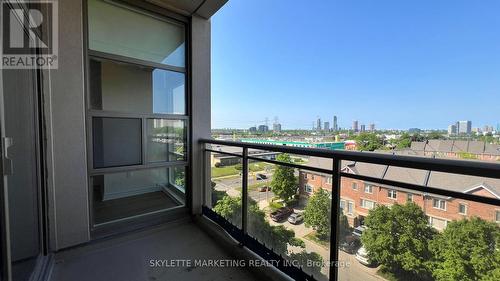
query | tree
(310,262)
(274,237)
(344,229)
(468,249)
(317,214)
(368,142)
(435,135)
(398,238)
(404,141)
(284,183)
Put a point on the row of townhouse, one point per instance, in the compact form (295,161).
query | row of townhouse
(359,197)
(456,149)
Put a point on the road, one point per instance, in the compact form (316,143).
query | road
(233,185)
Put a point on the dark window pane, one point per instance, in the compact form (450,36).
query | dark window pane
(129,88)
(117,141)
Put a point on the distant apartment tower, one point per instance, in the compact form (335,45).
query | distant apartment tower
(326,126)
(336,127)
(363,128)
(498,127)
(372,127)
(252,129)
(263,128)
(318,124)
(464,127)
(355,126)
(452,129)
(277,127)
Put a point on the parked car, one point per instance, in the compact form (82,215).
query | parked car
(362,256)
(264,188)
(350,244)
(260,177)
(358,231)
(281,214)
(296,218)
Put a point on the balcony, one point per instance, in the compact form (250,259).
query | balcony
(160,253)
(361,191)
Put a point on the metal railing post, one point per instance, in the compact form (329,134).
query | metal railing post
(244,191)
(207,179)
(334,220)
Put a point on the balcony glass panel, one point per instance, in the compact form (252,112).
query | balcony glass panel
(111,137)
(224,194)
(291,215)
(132,193)
(166,140)
(129,88)
(116,29)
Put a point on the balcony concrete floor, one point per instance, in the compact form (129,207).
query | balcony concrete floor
(128,257)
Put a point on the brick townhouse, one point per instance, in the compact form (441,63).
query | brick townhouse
(359,197)
(456,149)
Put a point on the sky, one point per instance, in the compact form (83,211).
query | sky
(397,64)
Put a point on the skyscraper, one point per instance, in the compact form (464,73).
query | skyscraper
(336,127)
(326,126)
(277,127)
(263,128)
(372,127)
(363,128)
(355,125)
(318,124)
(452,130)
(464,127)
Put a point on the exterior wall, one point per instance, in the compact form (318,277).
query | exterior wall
(380,196)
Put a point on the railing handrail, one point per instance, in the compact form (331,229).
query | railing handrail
(464,167)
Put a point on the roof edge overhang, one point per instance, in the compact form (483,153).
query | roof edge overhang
(203,8)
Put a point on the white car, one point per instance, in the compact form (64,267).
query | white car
(362,256)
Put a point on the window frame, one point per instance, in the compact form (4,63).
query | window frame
(409,197)
(466,208)
(354,186)
(370,187)
(172,18)
(391,192)
(347,207)
(439,204)
(362,205)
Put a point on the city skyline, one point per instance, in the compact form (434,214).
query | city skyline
(442,63)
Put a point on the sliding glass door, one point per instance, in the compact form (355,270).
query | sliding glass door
(22,246)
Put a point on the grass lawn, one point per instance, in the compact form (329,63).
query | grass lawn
(231,170)
(224,171)
(312,237)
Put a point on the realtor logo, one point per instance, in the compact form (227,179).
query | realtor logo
(29,34)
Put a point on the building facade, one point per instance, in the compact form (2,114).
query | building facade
(359,197)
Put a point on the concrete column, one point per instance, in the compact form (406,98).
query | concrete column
(200,103)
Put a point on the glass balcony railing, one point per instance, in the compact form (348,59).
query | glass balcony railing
(318,214)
